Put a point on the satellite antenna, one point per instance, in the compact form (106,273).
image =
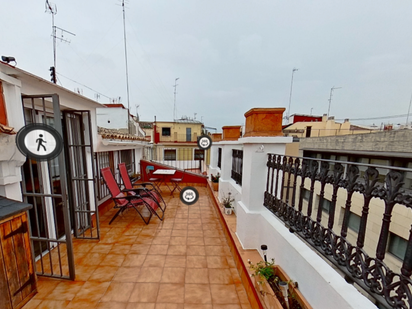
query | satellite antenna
(52,9)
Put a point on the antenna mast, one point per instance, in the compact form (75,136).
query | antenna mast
(127,70)
(52,9)
(174,105)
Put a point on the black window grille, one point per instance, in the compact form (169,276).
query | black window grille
(219,157)
(237,164)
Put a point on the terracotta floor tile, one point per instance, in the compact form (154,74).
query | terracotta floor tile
(227,306)
(180,226)
(246,306)
(231,261)
(127,274)
(140,248)
(103,273)
(173,275)
(118,292)
(144,239)
(215,250)
(195,250)
(169,306)
(83,246)
(92,259)
(194,233)
(32,304)
(178,240)
(195,221)
(175,261)
(102,248)
(154,261)
(201,306)
(197,275)
(224,294)
(53,304)
(45,287)
(132,231)
(177,250)
(179,232)
(161,240)
(150,274)
(158,249)
(164,233)
(92,291)
(196,241)
(65,290)
(216,262)
(144,292)
(196,261)
(111,305)
(213,233)
(113,260)
(134,260)
(171,292)
(75,304)
(220,276)
(120,249)
(197,294)
(127,240)
(180,221)
(141,306)
(213,241)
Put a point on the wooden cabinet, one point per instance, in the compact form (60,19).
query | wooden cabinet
(17,276)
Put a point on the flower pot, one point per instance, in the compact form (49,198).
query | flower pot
(267,295)
(228,211)
(215,186)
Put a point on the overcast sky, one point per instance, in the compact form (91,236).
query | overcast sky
(230,55)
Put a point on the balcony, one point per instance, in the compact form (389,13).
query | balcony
(179,138)
(182,262)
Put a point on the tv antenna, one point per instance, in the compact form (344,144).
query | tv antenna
(52,9)
(174,105)
(330,96)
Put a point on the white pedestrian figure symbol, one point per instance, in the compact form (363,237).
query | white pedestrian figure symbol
(40,140)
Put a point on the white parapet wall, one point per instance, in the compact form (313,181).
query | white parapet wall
(320,284)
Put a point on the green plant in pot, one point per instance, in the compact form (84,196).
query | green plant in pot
(227,203)
(215,181)
(274,291)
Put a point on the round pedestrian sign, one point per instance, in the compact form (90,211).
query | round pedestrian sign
(39,141)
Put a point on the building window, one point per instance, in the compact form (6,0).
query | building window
(354,222)
(397,245)
(170,154)
(199,154)
(165,131)
(306,195)
(219,157)
(326,205)
(237,165)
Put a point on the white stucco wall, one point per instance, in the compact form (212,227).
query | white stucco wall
(112,118)
(321,285)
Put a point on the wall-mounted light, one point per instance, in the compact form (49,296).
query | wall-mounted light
(8,59)
(264,249)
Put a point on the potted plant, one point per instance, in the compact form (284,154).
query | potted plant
(227,203)
(274,287)
(215,181)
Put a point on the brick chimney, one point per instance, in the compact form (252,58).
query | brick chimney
(231,133)
(264,122)
(216,137)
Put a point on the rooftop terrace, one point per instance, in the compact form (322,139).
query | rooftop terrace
(183,262)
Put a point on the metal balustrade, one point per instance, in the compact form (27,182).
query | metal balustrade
(294,183)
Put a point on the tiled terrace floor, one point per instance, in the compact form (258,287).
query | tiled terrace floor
(182,262)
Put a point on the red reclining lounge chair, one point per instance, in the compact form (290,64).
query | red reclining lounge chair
(123,200)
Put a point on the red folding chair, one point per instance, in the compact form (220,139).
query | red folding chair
(124,201)
(176,181)
(149,190)
(152,178)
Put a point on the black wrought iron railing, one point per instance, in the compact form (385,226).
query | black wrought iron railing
(296,191)
(237,164)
